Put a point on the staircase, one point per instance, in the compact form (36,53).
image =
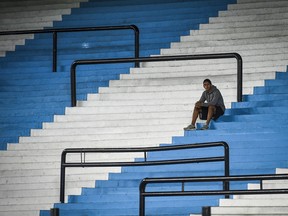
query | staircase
(26,76)
(30,167)
(255,205)
(30,15)
(154,103)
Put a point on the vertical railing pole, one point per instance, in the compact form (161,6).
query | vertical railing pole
(226,185)
(54,212)
(142,198)
(73,84)
(239,78)
(55,43)
(137,45)
(206,211)
(62,177)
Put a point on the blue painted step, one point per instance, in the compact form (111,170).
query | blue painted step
(265,97)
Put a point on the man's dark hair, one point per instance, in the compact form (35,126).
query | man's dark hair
(207,80)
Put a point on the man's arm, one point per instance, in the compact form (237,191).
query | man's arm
(201,101)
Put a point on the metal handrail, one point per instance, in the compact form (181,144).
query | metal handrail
(83,163)
(206,211)
(157,59)
(61,30)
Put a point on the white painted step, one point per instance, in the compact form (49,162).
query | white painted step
(256,205)
(132,101)
(100,137)
(17,16)
(32,144)
(263,210)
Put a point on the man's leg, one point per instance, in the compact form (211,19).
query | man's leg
(211,111)
(195,115)
(210,114)
(196,111)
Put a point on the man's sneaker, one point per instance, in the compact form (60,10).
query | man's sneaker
(205,127)
(190,127)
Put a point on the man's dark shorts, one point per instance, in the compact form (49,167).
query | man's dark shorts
(203,115)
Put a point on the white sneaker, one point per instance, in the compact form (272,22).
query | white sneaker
(190,127)
(205,127)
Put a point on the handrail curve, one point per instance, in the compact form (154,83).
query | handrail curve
(157,59)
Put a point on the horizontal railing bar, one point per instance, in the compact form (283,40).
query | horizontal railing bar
(144,163)
(215,192)
(141,149)
(40,31)
(216,178)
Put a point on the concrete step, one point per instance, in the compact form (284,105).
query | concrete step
(260,103)
(115,123)
(252,11)
(29,2)
(60,145)
(104,130)
(246,29)
(50,158)
(260,4)
(35,7)
(243,51)
(7,22)
(149,95)
(249,211)
(235,36)
(154,137)
(265,203)
(90,137)
(33,14)
(244,18)
(36,16)
(124,116)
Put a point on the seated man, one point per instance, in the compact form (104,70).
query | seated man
(213,108)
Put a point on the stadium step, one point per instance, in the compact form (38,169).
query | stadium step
(153,123)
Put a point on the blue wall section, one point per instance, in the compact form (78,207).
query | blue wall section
(31,94)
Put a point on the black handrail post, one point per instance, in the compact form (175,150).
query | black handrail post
(62,177)
(137,44)
(239,77)
(73,84)
(55,43)
(226,185)
(206,211)
(142,188)
(54,212)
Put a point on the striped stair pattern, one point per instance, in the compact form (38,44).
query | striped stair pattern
(54,142)
(30,168)
(26,76)
(255,205)
(38,15)
(245,141)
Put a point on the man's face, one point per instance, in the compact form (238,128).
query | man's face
(207,86)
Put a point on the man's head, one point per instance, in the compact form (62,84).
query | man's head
(207,84)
